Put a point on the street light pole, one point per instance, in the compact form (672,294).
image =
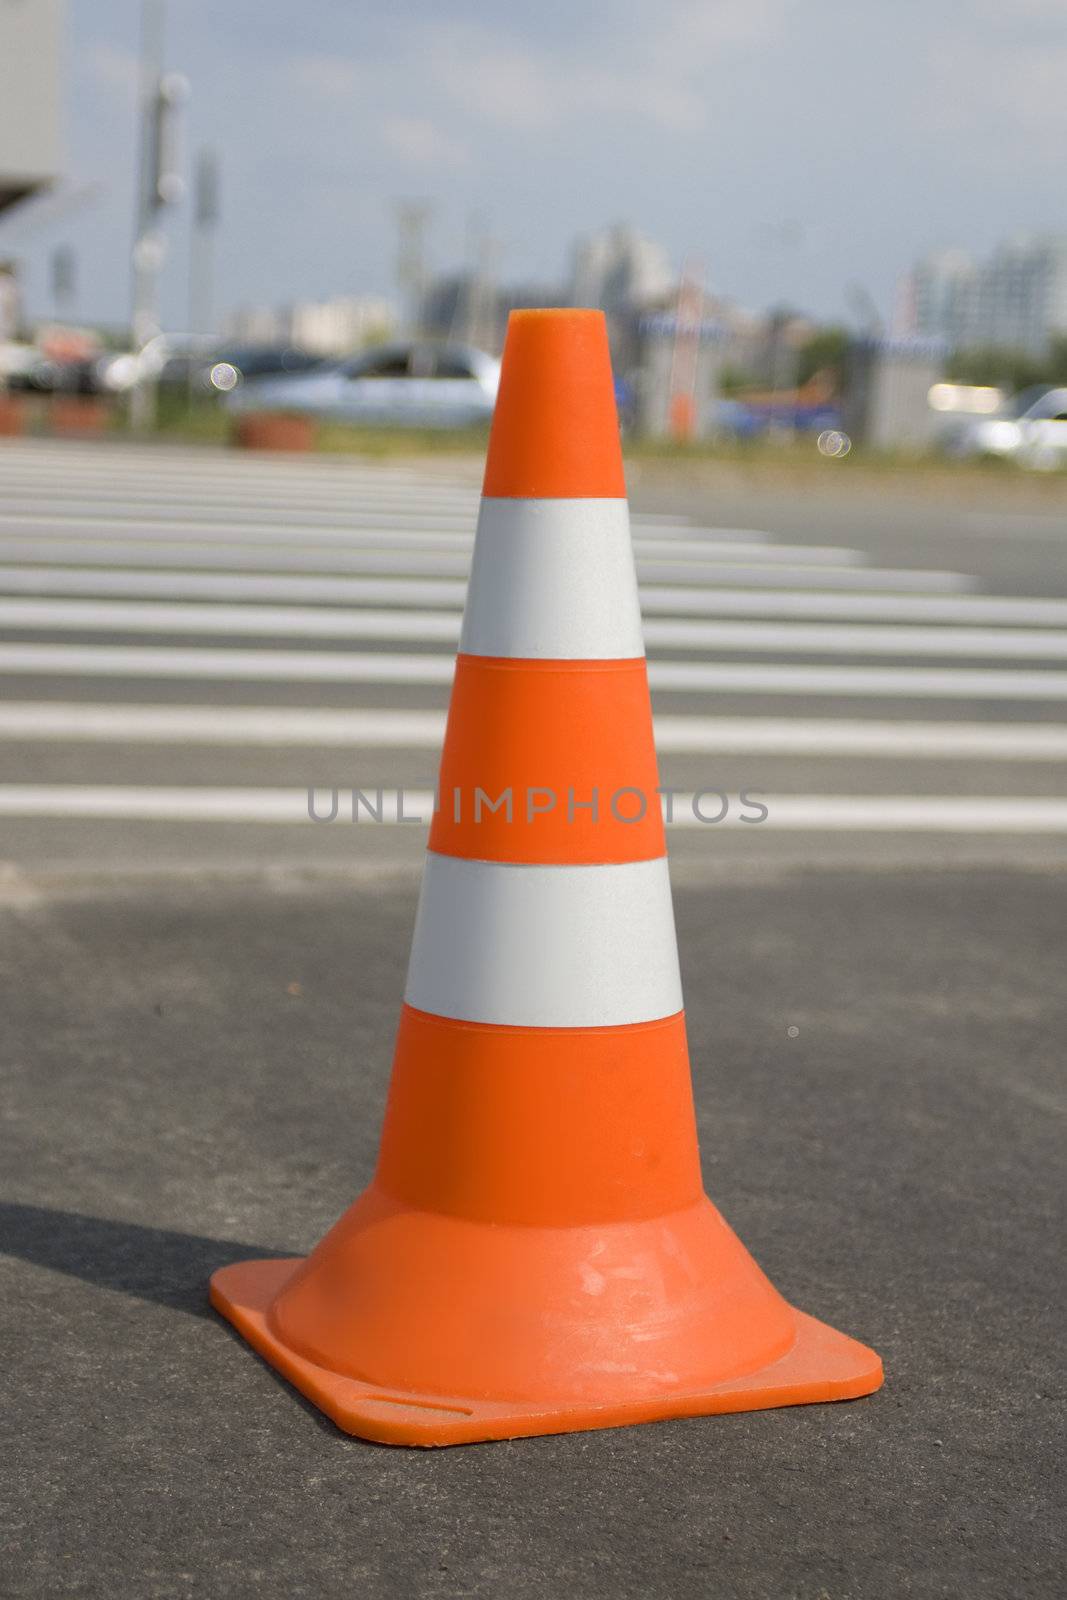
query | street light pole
(685,354)
(202,243)
(159,185)
(64,280)
(412,219)
(202,257)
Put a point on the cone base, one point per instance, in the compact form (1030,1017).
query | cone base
(821,1365)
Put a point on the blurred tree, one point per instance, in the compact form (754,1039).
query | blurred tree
(1057,361)
(1009,369)
(824,352)
(733,380)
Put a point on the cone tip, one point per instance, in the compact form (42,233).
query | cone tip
(575,314)
(555,430)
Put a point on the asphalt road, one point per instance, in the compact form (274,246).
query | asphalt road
(195,1075)
(200,997)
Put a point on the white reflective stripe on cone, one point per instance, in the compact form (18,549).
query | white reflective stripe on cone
(545,947)
(553,579)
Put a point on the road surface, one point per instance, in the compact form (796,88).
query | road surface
(200,997)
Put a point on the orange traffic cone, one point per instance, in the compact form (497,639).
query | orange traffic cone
(535,1253)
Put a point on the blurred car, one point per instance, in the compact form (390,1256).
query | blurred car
(413,385)
(1030,429)
(168,358)
(24,368)
(226,368)
(200,364)
(39,373)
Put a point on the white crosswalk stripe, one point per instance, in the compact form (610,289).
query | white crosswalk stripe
(310,557)
(388,666)
(382,532)
(656,599)
(369,727)
(352,622)
(147,570)
(927,813)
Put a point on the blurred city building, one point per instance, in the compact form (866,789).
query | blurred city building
(469,309)
(885,402)
(690,364)
(334,327)
(30,38)
(1015,299)
(670,339)
(678,348)
(617,269)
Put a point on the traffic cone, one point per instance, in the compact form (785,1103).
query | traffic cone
(535,1253)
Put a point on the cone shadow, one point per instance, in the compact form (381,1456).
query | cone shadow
(159,1265)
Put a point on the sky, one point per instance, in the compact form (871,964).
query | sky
(791,148)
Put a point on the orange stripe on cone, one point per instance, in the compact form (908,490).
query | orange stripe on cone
(549,735)
(509,1124)
(555,432)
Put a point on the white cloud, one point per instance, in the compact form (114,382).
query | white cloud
(326,77)
(369,102)
(111,68)
(999,11)
(1035,91)
(419,143)
(653,74)
(986,110)
(488,79)
(699,31)
(522,91)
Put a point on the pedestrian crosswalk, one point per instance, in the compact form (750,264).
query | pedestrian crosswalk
(354,622)
(249,616)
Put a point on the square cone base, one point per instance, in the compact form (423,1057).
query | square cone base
(822,1364)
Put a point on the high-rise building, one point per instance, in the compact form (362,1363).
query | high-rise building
(335,327)
(1023,294)
(1016,299)
(464,306)
(619,269)
(943,298)
(326,327)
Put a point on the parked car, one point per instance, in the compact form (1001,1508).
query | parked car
(200,364)
(415,385)
(226,368)
(1030,429)
(167,359)
(42,374)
